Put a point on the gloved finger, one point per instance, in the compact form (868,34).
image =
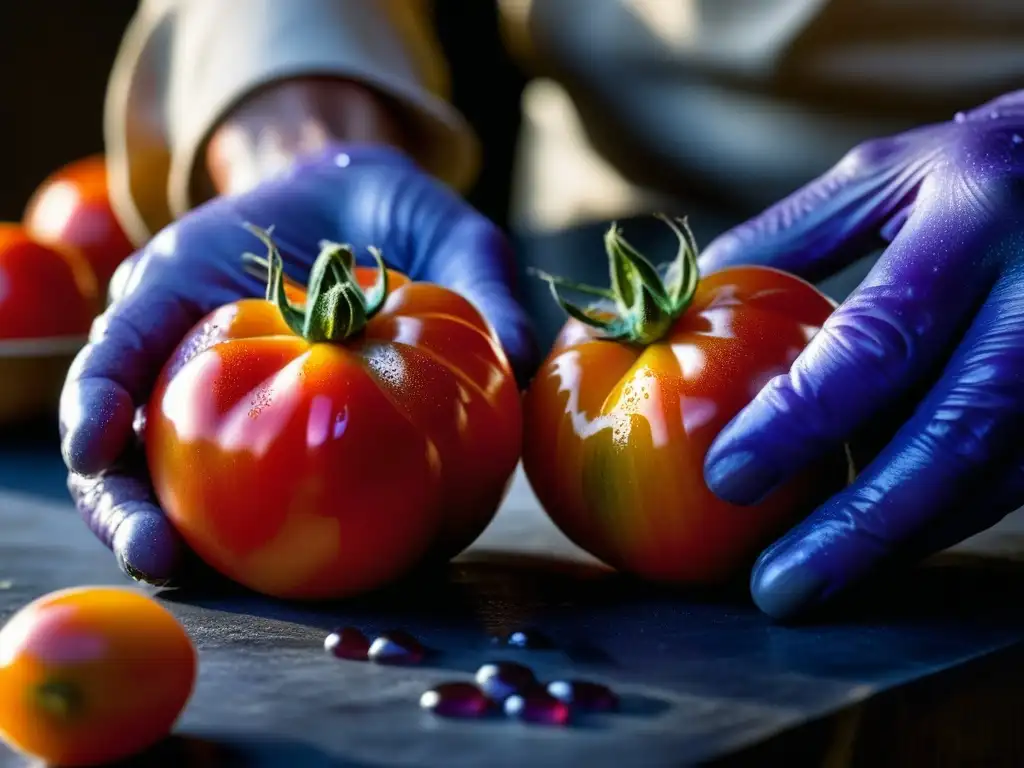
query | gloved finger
(120,511)
(132,339)
(837,218)
(476,260)
(977,511)
(892,329)
(963,437)
(114,372)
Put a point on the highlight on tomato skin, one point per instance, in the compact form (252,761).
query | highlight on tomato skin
(71,209)
(324,442)
(71,663)
(619,417)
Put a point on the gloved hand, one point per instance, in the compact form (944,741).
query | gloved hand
(941,313)
(358,195)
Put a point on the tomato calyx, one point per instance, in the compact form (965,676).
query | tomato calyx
(58,698)
(336,307)
(641,305)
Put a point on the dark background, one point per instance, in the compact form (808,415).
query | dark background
(55,57)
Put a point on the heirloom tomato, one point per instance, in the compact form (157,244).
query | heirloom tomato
(71,208)
(321,443)
(91,675)
(619,417)
(48,300)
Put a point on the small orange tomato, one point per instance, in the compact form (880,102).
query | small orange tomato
(322,443)
(91,675)
(622,412)
(71,208)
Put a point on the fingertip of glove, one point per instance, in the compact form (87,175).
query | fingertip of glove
(739,476)
(147,546)
(96,417)
(782,587)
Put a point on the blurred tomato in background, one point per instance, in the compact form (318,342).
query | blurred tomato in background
(55,267)
(48,300)
(71,209)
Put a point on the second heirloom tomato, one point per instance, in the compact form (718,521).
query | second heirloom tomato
(320,444)
(621,414)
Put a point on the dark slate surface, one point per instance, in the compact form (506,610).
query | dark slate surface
(925,671)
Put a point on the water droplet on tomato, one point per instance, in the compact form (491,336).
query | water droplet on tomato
(396,646)
(585,695)
(456,699)
(537,707)
(347,643)
(502,679)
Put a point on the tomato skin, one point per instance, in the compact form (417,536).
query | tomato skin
(126,662)
(314,471)
(71,208)
(615,435)
(47,303)
(44,293)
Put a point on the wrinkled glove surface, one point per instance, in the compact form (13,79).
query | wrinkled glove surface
(939,321)
(362,196)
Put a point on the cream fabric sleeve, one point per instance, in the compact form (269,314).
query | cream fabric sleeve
(183,64)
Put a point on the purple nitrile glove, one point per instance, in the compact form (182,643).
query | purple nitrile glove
(362,196)
(941,313)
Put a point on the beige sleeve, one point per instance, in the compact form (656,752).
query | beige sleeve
(184,63)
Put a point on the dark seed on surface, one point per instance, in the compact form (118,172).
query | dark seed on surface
(462,700)
(529,639)
(537,707)
(584,695)
(396,647)
(347,643)
(501,679)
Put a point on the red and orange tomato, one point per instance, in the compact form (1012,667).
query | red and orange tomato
(48,299)
(91,675)
(308,453)
(45,293)
(622,412)
(71,209)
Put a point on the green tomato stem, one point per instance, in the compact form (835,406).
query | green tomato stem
(58,698)
(336,308)
(640,306)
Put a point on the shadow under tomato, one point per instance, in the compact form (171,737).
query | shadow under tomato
(234,752)
(462,610)
(526,585)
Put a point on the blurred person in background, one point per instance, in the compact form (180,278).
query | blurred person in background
(806,134)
